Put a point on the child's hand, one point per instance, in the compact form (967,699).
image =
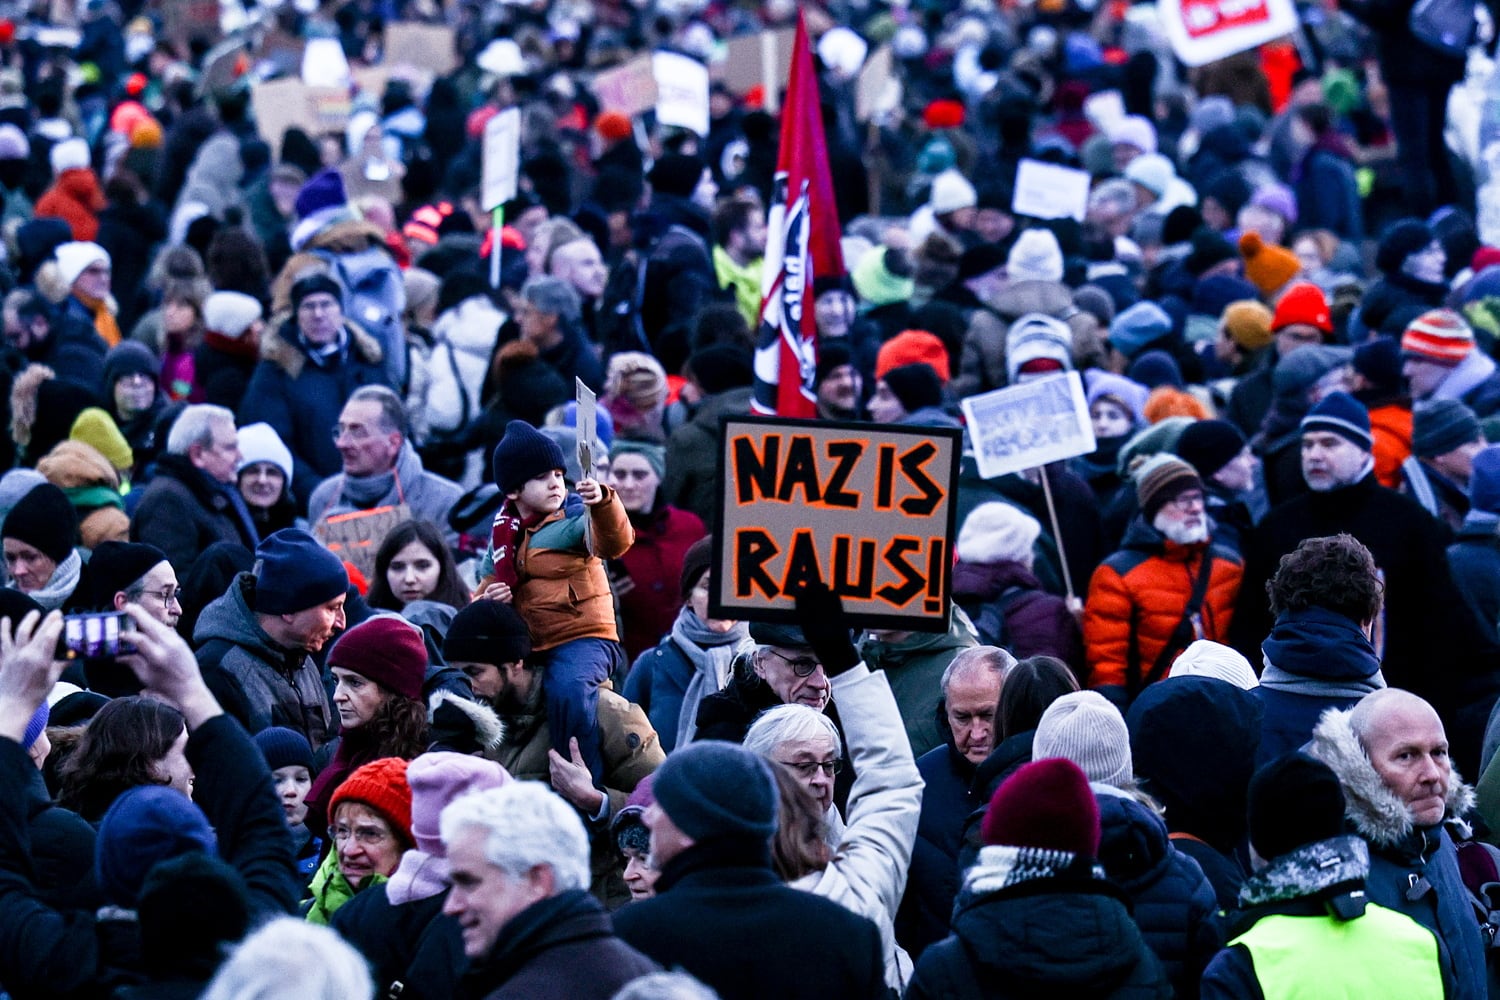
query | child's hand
(590,491)
(495,592)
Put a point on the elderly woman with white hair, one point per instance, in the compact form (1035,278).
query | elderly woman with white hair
(860,863)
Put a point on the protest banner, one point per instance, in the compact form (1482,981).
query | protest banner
(355,537)
(1202,31)
(757,60)
(877,90)
(280,104)
(868,510)
(681,91)
(629,88)
(427,46)
(502,158)
(587,427)
(1048,191)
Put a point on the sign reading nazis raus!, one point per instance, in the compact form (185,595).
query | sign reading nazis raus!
(868,509)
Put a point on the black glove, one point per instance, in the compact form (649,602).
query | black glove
(821,614)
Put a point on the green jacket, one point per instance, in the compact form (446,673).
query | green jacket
(330,890)
(914,667)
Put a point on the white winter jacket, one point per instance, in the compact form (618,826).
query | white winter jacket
(463,341)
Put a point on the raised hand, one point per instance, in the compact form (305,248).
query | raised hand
(28,668)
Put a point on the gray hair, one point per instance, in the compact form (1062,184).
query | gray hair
(553,296)
(1116,195)
(978,658)
(195,425)
(525,824)
(290,959)
(665,986)
(785,723)
(392,410)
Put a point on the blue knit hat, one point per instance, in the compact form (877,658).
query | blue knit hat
(147,824)
(716,789)
(1484,481)
(1340,413)
(293,573)
(324,190)
(522,454)
(284,747)
(1139,326)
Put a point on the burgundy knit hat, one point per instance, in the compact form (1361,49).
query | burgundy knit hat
(1046,804)
(381,785)
(386,649)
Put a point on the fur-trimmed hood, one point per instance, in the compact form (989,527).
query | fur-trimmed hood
(489,728)
(278,345)
(350,236)
(23,401)
(1376,813)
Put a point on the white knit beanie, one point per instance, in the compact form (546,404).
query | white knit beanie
(997,532)
(230,314)
(951,191)
(75,257)
(1206,658)
(261,443)
(70,154)
(1035,256)
(1087,729)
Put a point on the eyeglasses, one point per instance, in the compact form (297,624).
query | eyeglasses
(802,666)
(809,768)
(168,597)
(1187,501)
(364,836)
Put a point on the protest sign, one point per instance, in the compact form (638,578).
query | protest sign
(1202,31)
(877,90)
(1023,426)
(502,158)
(586,425)
(355,537)
(1047,191)
(869,510)
(280,104)
(681,91)
(428,46)
(630,88)
(1104,109)
(757,60)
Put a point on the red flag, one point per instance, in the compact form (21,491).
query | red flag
(802,243)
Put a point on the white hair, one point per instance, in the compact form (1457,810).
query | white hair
(974,658)
(665,986)
(195,425)
(785,723)
(526,824)
(290,959)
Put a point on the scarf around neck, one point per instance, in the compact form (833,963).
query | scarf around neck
(104,318)
(62,584)
(712,656)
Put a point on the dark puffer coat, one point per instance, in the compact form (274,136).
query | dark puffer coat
(1036,623)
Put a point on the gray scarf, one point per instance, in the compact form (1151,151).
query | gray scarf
(62,584)
(365,492)
(712,655)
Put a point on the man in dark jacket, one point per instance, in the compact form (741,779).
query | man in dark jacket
(1475,557)
(720,912)
(1441,360)
(722,376)
(519,862)
(42,335)
(679,270)
(194,501)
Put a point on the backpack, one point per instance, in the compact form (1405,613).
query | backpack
(375,298)
(617,321)
(989,621)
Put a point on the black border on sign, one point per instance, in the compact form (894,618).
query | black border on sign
(860,619)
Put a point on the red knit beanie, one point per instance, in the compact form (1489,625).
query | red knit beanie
(613,126)
(386,649)
(943,113)
(910,347)
(1303,303)
(381,785)
(1046,804)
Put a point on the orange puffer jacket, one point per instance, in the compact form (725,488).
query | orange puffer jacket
(1137,597)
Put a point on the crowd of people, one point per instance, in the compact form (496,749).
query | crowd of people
(337,661)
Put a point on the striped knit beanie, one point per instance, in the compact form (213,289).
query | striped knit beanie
(1440,336)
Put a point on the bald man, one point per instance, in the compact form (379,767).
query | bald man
(1390,753)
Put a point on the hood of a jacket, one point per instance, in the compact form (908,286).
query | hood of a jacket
(987,581)
(1134,848)
(281,346)
(1309,871)
(1021,297)
(1193,742)
(1321,644)
(471,326)
(1372,809)
(881,655)
(230,618)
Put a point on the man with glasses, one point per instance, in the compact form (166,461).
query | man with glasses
(1168,585)
(193,500)
(121,573)
(309,366)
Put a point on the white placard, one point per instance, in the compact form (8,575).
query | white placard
(1202,31)
(502,158)
(1047,191)
(1024,426)
(681,91)
(587,428)
(1104,109)
(323,63)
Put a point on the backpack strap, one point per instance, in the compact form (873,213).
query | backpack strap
(1177,640)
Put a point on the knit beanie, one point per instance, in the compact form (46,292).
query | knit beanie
(1379,361)
(1267,265)
(438,779)
(1295,374)
(1399,242)
(386,649)
(114,566)
(1130,395)
(1134,130)
(146,825)
(283,747)
(43,519)
(1484,480)
(313,284)
(696,561)
(950,192)
(910,347)
(1209,445)
(97,429)
(997,532)
(1206,658)
(325,190)
(915,386)
(487,632)
(881,278)
(720,367)
(1138,327)
(713,789)
(1340,413)
(1294,800)
(76,257)
(1248,324)
(70,154)
(1440,336)
(1162,478)
(381,785)
(1154,369)
(613,126)
(1046,804)
(1210,249)
(1303,304)
(35,726)
(260,443)
(654,454)
(1181,224)
(522,455)
(129,357)
(1439,426)
(833,354)
(293,573)
(230,314)
(1036,344)
(1152,171)
(1087,729)
(1035,256)
(14,485)
(676,174)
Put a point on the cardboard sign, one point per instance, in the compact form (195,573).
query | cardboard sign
(280,104)
(1202,31)
(1031,424)
(630,88)
(867,509)
(502,158)
(877,90)
(757,60)
(1104,109)
(355,537)
(681,91)
(1048,191)
(428,46)
(587,428)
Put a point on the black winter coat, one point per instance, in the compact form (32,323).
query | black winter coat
(182,514)
(412,944)
(927,907)
(721,914)
(1036,623)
